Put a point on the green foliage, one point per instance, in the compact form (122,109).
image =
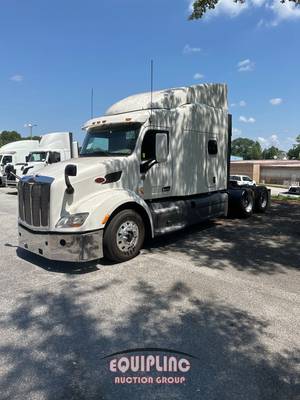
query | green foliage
(33,138)
(285,198)
(8,137)
(200,7)
(273,153)
(294,152)
(246,148)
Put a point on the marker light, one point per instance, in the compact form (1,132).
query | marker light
(100,180)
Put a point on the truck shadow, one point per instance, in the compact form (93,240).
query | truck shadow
(61,336)
(58,266)
(266,243)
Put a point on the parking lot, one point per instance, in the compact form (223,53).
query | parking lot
(226,292)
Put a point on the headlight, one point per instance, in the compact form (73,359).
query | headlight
(72,221)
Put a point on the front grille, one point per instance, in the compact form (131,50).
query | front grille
(34,200)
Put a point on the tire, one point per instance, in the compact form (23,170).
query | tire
(246,204)
(124,236)
(261,200)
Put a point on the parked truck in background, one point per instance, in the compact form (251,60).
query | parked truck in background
(153,164)
(13,156)
(52,148)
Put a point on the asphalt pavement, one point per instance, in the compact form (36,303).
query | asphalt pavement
(225,293)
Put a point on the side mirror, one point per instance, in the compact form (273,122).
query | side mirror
(70,170)
(161,147)
(27,159)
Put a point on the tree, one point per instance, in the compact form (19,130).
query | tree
(8,137)
(294,152)
(200,7)
(246,148)
(33,138)
(273,153)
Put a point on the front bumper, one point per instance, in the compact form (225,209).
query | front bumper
(79,247)
(3,181)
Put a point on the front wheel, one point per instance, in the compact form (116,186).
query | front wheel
(124,236)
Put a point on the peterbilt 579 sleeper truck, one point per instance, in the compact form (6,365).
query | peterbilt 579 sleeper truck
(153,164)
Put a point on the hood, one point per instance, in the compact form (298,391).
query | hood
(86,167)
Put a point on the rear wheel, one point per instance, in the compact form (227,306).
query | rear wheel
(246,204)
(262,200)
(124,236)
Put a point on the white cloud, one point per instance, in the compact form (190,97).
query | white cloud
(275,9)
(276,101)
(228,7)
(189,50)
(236,132)
(249,120)
(283,11)
(263,141)
(198,76)
(274,140)
(269,141)
(17,78)
(241,103)
(245,65)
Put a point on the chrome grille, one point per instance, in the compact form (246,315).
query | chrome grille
(34,200)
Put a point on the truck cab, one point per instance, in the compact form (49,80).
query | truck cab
(54,147)
(13,158)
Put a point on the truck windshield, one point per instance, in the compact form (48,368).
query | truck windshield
(38,156)
(118,140)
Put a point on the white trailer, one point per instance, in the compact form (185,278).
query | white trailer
(145,168)
(13,155)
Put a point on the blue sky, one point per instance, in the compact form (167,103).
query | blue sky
(54,52)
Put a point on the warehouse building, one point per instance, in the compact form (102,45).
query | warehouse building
(280,172)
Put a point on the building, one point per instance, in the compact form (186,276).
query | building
(280,172)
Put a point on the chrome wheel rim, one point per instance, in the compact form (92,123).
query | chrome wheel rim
(127,236)
(247,203)
(264,200)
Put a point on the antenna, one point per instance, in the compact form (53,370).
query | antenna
(151,78)
(92,103)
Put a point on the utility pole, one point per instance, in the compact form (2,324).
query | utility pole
(30,126)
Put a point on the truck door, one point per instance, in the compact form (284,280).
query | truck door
(156,177)
(212,163)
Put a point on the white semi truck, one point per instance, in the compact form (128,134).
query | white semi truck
(14,155)
(54,147)
(153,164)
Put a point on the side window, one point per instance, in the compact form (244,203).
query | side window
(7,160)
(148,145)
(56,156)
(212,147)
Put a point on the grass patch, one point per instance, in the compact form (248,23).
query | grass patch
(286,198)
(274,185)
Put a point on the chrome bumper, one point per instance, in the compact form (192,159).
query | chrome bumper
(3,181)
(79,247)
